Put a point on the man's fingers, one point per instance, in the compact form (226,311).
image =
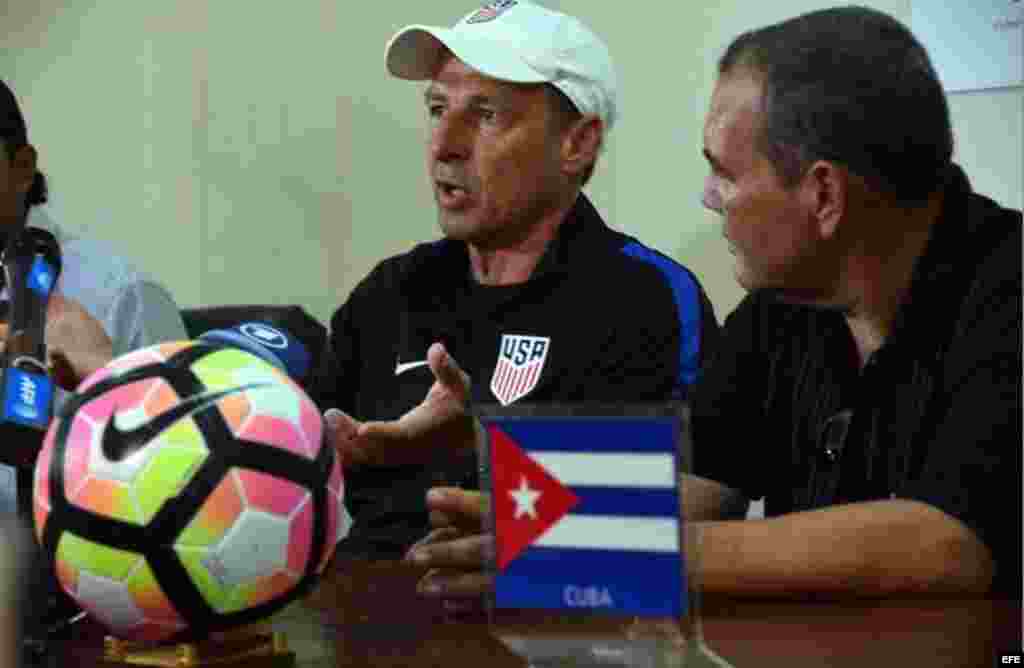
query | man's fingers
(61,370)
(341,433)
(460,522)
(435,536)
(68,374)
(466,508)
(388,432)
(466,553)
(455,584)
(420,435)
(398,442)
(441,520)
(447,371)
(465,608)
(340,425)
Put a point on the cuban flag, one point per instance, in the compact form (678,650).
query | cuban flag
(586,514)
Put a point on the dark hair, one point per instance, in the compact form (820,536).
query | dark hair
(852,85)
(14,135)
(566,114)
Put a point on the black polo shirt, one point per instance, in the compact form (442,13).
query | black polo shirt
(603,318)
(935,415)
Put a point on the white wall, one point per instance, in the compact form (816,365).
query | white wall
(258,152)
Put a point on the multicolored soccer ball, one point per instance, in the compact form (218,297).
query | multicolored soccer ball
(187,488)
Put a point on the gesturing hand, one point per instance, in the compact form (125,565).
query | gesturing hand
(439,424)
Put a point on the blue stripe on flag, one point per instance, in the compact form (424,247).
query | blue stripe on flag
(572,578)
(594,434)
(628,502)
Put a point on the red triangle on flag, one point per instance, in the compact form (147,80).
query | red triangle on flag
(528,500)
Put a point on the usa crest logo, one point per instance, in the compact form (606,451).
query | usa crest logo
(520,363)
(491,11)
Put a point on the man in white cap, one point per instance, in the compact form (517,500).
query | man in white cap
(869,386)
(533,295)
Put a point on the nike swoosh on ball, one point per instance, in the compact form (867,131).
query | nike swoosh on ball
(117,444)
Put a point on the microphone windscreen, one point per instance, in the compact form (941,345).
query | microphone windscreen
(267,342)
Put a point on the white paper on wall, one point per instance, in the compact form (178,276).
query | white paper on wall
(973,44)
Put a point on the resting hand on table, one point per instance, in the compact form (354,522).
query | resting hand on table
(439,424)
(76,343)
(457,550)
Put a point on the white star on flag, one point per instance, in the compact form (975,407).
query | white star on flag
(525,498)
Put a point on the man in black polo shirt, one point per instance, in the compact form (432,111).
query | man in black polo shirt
(537,299)
(877,357)
(868,388)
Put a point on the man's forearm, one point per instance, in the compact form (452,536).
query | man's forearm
(865,548)
(704,499)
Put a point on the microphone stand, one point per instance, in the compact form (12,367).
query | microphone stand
(31,266)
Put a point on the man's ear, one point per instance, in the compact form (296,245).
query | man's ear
(825,190)
(23,169)
(582,143)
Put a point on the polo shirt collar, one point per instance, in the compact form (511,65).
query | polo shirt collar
(929,305)
(581,230)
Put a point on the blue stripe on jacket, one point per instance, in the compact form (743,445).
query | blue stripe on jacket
(686,293)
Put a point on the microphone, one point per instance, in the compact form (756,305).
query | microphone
(31,263)
(267,342)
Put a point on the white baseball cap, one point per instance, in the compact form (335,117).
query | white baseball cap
(520,41)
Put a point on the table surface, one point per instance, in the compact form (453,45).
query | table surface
(371,615)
